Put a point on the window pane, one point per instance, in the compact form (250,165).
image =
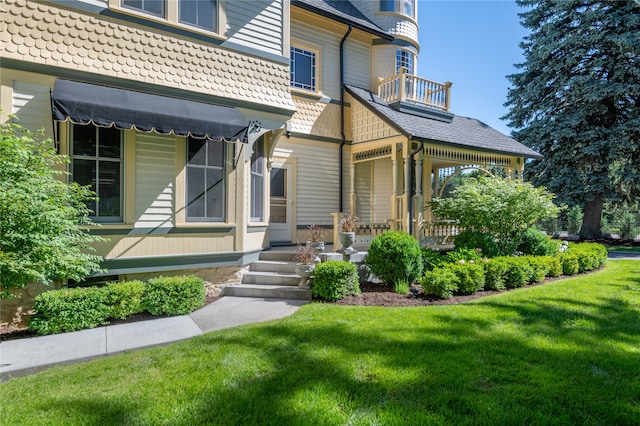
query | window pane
(215,193)
(201,13)
(84,173)
(195,192)
(215,153)
(303,69)
(277,182)
(109,142)
(408,8)
(84,140)
(197,152)
(387,5)
(257,197)
(152,7)
(109,189)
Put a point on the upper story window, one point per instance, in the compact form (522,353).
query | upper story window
(201,14)
(406,7)
(205,180)
(303,69)
(405,59)
(97,161)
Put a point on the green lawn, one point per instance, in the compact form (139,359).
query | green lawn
(567,352)
(635,249)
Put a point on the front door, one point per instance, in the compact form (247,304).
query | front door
(281,202)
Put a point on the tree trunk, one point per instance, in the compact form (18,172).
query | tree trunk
(592,221)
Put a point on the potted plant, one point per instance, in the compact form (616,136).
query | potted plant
(305,259)
(348,226)
(315,239)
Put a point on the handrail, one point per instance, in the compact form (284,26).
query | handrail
(414,89)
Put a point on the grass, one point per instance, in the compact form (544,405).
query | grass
(634,249)
(564,353)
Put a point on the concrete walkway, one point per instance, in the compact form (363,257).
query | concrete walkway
(26,356)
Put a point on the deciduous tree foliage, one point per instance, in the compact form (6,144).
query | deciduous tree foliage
(576,101)
(498,207)
(41,217)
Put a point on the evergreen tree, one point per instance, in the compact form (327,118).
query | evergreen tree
(576,100)
(42,218)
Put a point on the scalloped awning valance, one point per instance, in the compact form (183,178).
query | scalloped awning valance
(84,103)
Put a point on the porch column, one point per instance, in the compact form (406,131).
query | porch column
(427,185)
(418,200)
(436,182)
(406,194)
(394,191)
(352,188)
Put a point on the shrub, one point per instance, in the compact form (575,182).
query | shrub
(335,279)
(431,259)
(401,287)
(627,226)
(554,266)
(574,220)
(177,295)
(518,272)
(395,256)
(570,265)
(64,310)
(538,268)
(478,240)
(495,271)
(470,276)
(536,243)
(590,255)
(125,298)
(463,254)
(441,282)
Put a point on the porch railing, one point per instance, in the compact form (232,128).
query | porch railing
(438,234)
(417,90)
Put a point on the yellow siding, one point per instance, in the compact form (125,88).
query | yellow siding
(257,24)
(367,126)
(316,118)
(32,106)
(164,245)
(381,194)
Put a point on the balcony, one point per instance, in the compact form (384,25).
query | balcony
(406,88)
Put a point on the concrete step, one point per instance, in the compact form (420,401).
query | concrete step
(278,256)
(270,278)
(273,266)
(267,291)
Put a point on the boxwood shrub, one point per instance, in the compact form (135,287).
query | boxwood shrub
(441,282)
(335,279)
(495,272)
(518,273)
(538,268)
(69,309)
(536,243)
(125,298)
(395,256)
(554,266)
(470,276)
(570,264)
(177,295)
(590,255)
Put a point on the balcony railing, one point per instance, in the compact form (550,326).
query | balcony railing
(413,89)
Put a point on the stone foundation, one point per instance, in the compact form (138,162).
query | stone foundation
(16,311)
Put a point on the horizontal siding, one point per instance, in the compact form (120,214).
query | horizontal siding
(382,182)
(329,55)
(357,64)
(155,176)
(31,103)
(257,24)
(363,190)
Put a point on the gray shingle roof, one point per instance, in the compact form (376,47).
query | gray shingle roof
(342,11)
(461,131)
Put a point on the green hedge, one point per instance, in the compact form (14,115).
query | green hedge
(335,279)
(395,256)
(65,310)
(174,295)
(441,282)
(125,298)
(470,276)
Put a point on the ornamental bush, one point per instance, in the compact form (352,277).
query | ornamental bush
(477,240)
(538,268)
(335,279)
(69,309)
(590,255)
(395,256)
(177,295)
(518,273)
(470,276)
(495,271)
(441,282)
(125,298)
(536,243)
(570,264)
(431,259)
(554,266)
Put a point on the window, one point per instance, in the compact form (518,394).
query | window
(96,160)
(404,59)
(205,180)
(303,69)
(406,7)
(257,182)
(201,14)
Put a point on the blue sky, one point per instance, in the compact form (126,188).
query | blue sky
(474,44)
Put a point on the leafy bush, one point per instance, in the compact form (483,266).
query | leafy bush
(335,279)
(495,271)
(177,295)
(536,243)
(518,273)
(431,258)
(401,287)
(538,268)
(554,266)
(463,254)
(570,265)
(395,256)
(125,298)
(590,255)
(64,310)
(477,240)
(441,282)
(470,276)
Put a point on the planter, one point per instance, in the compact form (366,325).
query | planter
(347,239)
(305,272)
(318,247)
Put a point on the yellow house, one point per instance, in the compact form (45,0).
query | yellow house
(212,130)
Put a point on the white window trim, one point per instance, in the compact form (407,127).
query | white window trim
(399,9)
(172,17)
(225,187)
(415,59)
(317,49)
(254,220)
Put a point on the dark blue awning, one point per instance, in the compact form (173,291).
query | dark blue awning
(83,103)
